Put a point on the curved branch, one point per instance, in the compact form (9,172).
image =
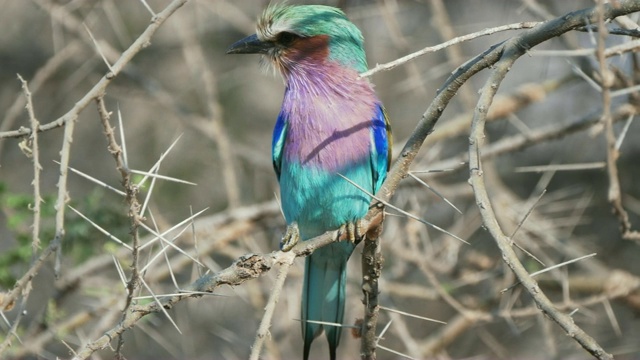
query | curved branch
(446,44)
(141,42)
(513,49)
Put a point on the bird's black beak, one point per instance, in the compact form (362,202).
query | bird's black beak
(250,45)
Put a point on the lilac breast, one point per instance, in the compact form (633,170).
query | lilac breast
(329,112)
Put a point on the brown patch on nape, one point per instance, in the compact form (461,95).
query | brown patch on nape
(314,48)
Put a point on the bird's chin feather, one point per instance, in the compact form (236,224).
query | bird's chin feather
(274,63)
(266,64)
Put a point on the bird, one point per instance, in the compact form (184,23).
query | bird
(330,147)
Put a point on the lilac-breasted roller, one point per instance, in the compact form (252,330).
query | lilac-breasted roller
(331,126)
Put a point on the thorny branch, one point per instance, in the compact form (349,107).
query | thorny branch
(131,198)
(31,148)
(509,53)
(607,78)
(99,88)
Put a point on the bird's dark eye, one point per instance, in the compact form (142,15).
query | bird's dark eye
(287,38)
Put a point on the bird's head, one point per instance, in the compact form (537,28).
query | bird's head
(290,35)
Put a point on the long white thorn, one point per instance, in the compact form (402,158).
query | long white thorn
(164,311)
(405,213)
(189,293)
(148,7)
(148,196)
(123,277)
(162,177)
(168,242)
(623,134)
(162,156)
(384,330)
(327,323)
(395,352)
(123,143)
(174,227)
(422,182)
(95,42)
(100,228)
(412,315)
(94,180)
(551,268)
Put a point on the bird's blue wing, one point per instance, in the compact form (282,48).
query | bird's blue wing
(380,147)
(277,143)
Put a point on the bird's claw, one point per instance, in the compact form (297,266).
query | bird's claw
(353,229)
(291,237)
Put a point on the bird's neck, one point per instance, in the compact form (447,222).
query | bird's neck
(325,84)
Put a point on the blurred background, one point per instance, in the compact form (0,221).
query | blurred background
(220,109)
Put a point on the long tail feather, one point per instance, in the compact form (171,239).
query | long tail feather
(333,310)
(323,294)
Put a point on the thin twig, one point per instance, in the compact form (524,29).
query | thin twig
(565,263)
(561,167)
(135,219)
(140,43)
(607,79)
(454,41)
(34,153)
(39,78)
(442,24)
(265,323)
(520,141)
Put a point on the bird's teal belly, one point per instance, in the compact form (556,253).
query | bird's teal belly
(320,201)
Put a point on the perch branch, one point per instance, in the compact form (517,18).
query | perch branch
(371,269)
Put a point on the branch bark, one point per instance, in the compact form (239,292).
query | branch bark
(510,51)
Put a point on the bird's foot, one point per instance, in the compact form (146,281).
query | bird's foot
(291,237)
(353,230)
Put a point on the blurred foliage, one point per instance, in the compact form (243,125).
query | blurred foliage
(81,237)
